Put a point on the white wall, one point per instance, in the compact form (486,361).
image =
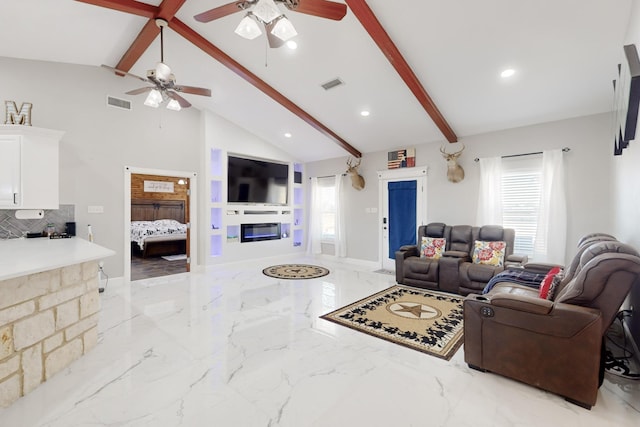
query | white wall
(100,140)
(587,174)
(625,188)
(626,172)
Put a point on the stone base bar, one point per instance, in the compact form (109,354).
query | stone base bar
(47,320)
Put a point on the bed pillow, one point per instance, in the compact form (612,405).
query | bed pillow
(432,247)
(550,283)
(167,222)
(489,253)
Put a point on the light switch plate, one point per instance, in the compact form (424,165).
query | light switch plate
(95,209)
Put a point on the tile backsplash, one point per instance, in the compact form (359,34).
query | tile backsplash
(12,228)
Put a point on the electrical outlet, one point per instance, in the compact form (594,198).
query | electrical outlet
(95,209)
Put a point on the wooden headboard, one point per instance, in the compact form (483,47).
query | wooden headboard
(151,210)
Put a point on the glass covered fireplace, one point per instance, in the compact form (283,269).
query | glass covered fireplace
(257,232)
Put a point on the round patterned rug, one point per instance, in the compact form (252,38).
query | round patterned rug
(295,271)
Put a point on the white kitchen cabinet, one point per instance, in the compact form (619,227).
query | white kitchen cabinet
(29,167)
(9,170)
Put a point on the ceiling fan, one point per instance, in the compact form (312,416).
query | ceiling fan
(278,28)
(164,82)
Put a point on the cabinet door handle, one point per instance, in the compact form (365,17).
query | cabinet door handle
(15,198)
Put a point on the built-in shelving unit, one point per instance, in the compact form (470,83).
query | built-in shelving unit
(216,200)
(298,206)
(225,220)
(233,233)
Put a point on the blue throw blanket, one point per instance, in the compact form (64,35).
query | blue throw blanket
(520,277)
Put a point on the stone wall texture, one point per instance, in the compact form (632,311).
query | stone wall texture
(47,320)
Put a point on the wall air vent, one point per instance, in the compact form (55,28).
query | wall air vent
(119,103)
(332,83)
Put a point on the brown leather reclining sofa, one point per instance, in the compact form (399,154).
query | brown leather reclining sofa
(454,272)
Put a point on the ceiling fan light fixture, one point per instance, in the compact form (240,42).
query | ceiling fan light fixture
(154,99)
(266,11)
(284,29)
(174,105)
(163,72)
(248,28)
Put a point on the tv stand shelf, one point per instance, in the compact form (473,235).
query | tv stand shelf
(226,219)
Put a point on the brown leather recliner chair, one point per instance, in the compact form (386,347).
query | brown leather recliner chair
(554,345)
(474,277)
(421,272)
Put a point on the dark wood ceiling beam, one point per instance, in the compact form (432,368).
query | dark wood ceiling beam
(139,46)
(377,32)
(169,8)
(217,54)
(166,11)
(128,6)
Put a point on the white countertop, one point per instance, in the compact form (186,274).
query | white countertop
(19,257)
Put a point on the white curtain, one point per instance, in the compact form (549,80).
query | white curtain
(315,224)
(490,192)
(340,239)
(551,233)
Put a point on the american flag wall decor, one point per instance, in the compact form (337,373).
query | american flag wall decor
(401,158)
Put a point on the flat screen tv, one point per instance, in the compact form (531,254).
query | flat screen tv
(252,181)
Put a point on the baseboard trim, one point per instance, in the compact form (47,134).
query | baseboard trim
(359,262)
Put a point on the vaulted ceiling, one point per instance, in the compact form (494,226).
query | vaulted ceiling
(428,71)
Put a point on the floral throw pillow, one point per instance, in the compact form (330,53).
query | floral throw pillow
(489,253)
(432,247)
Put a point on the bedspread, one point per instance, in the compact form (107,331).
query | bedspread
(141,230)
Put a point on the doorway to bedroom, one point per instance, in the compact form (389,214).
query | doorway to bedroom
(159,224)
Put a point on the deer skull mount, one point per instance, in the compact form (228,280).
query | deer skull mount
(455,173)
(357,181)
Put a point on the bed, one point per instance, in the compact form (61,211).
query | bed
(158,227)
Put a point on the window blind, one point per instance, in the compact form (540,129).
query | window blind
(521,191)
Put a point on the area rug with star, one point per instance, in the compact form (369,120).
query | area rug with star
(295,271)
(420,319)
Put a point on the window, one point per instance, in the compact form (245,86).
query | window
(521,195)
(327,195)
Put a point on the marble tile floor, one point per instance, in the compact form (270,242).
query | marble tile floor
(232,347)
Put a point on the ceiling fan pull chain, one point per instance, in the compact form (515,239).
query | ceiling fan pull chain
(266,53)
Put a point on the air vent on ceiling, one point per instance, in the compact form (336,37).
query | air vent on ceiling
(119,103)
(332,83)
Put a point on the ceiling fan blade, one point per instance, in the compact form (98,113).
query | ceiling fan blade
(220,12)
(193,90)
(183,102)
(320,8)
(274,42)
(139,91)
(123,73)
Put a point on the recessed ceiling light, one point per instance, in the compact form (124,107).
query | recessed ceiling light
(507,73)
(364,113)
(291,44)
(287,135)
